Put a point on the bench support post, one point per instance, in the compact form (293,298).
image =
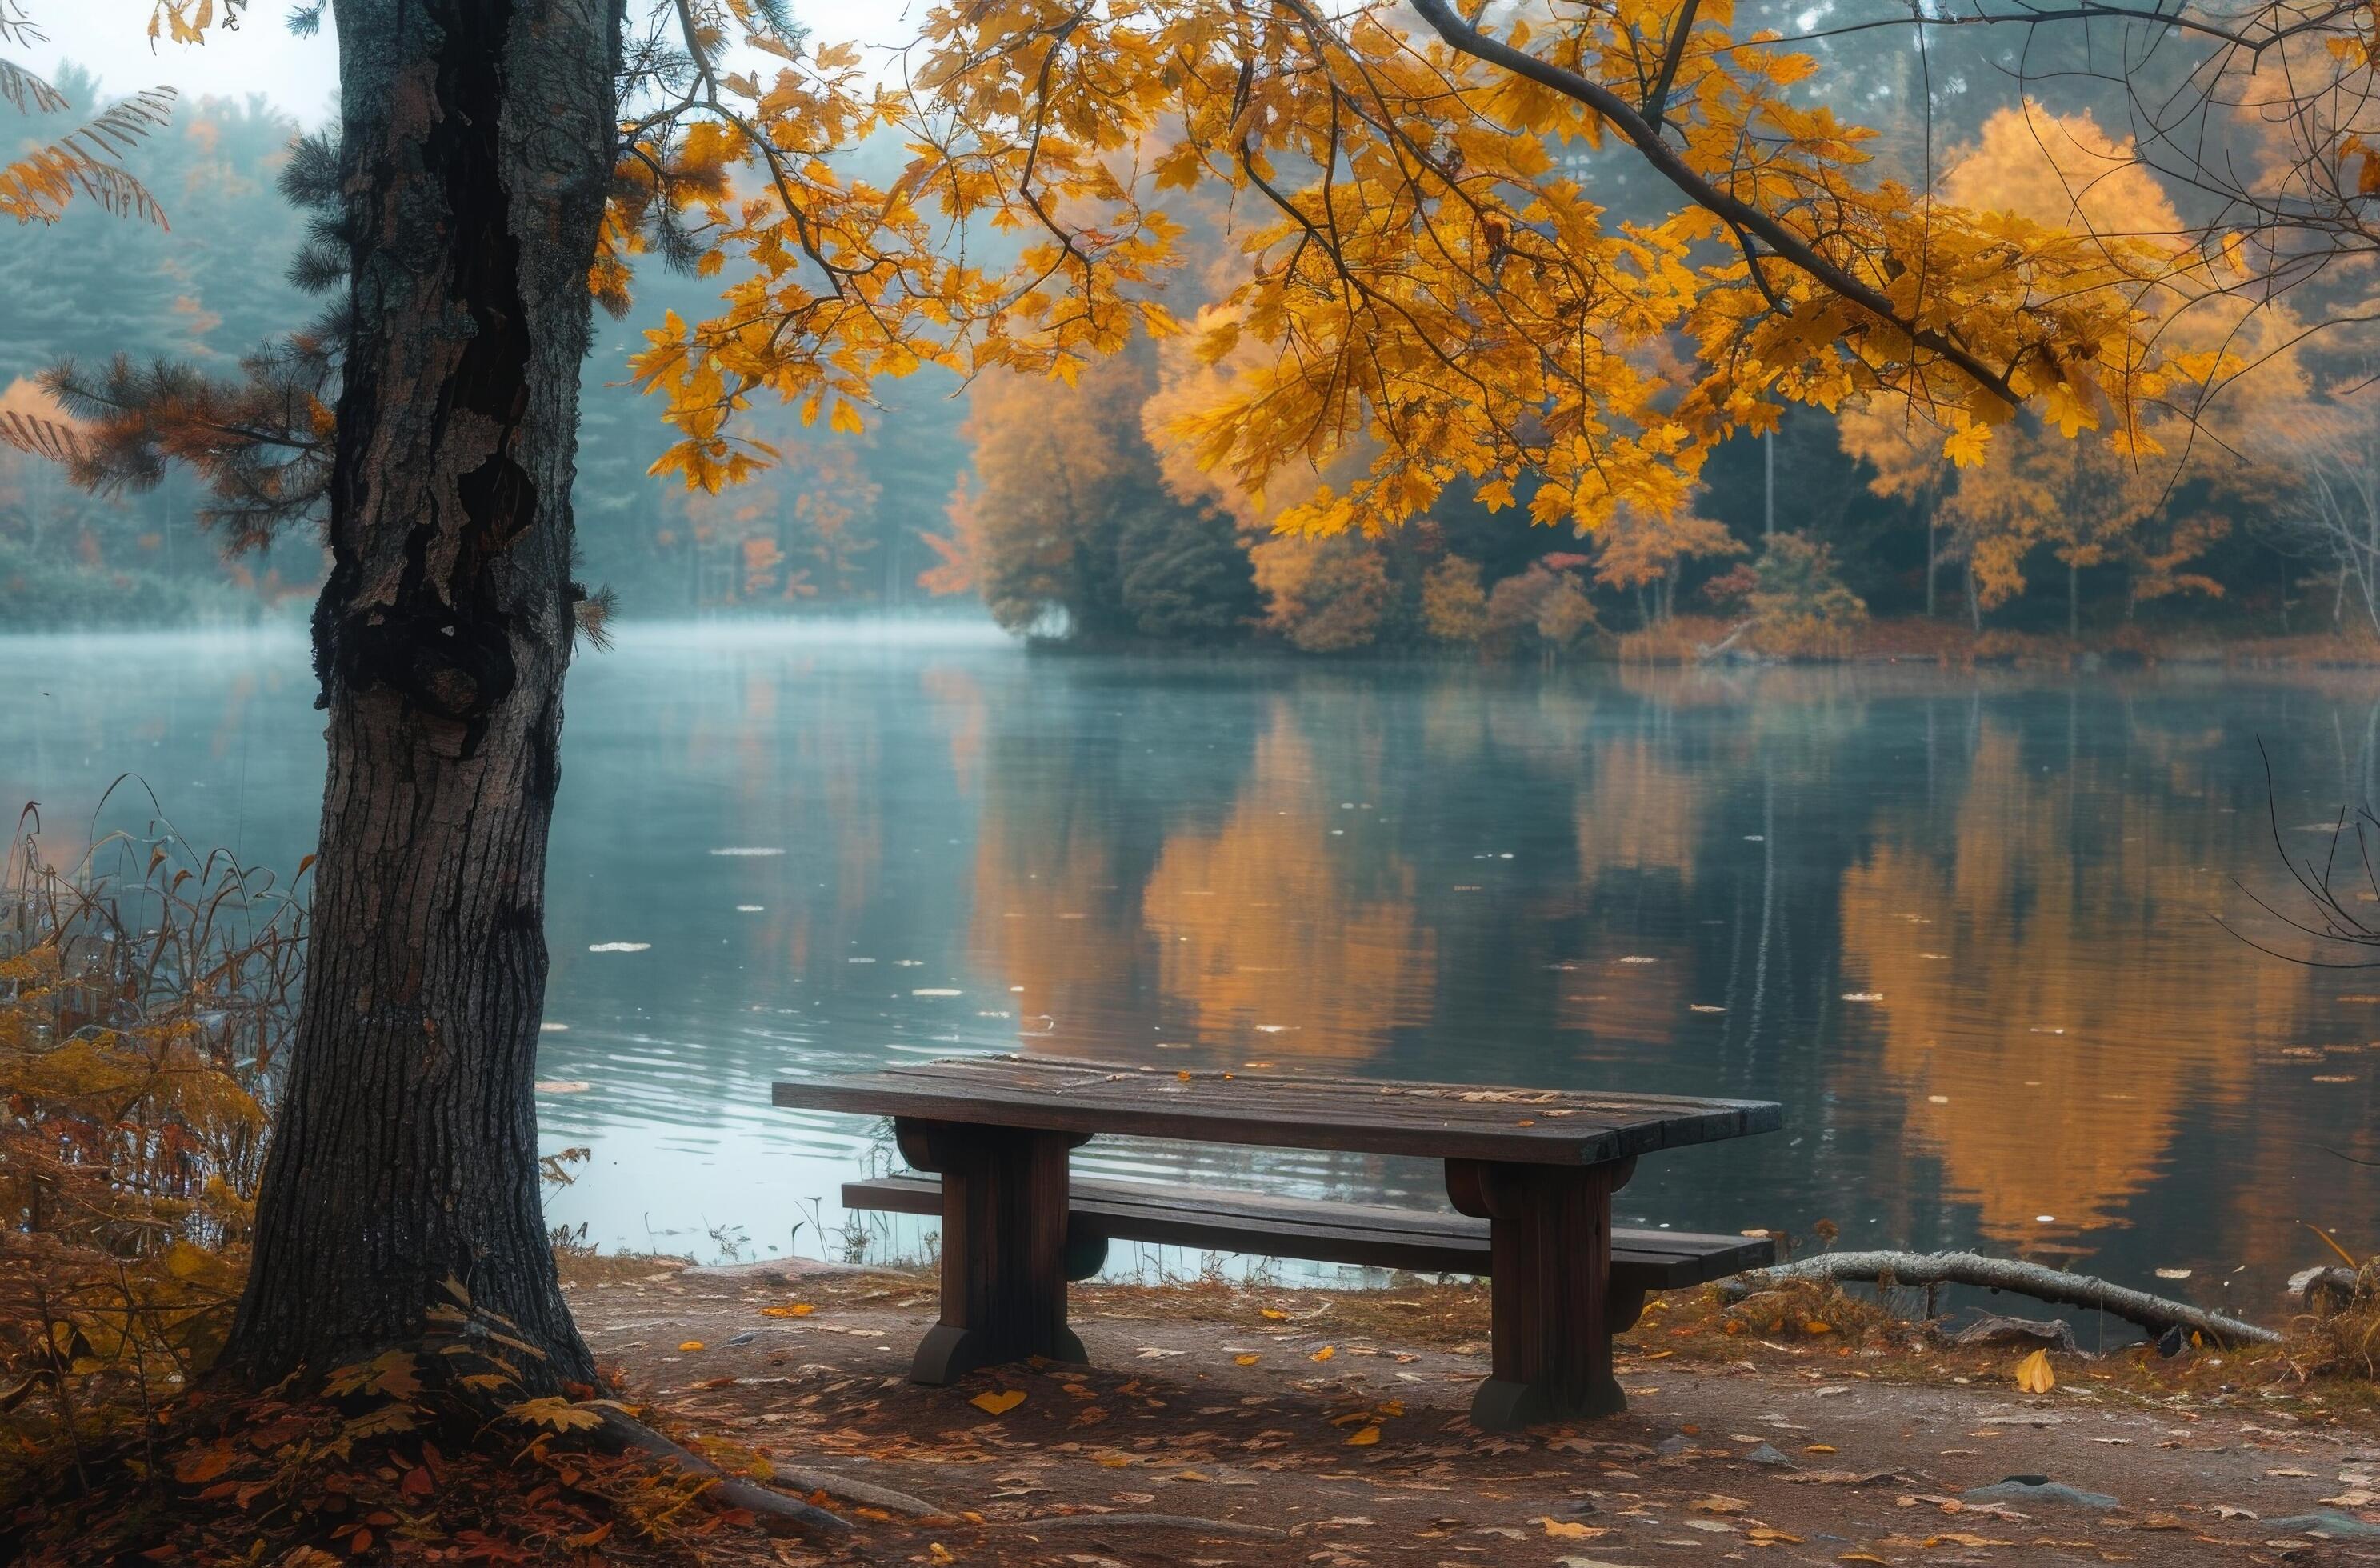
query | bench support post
(1549,1242)
(1004,1253)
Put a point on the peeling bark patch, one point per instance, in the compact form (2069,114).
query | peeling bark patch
(430,619)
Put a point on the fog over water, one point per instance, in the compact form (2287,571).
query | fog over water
(1964,926)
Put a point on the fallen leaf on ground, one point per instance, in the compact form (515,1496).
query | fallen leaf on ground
(1325,1354)
(1364,1437)
(2032,1373)
(690,1344)
(798,1310)
(1566,1530)
(997,1403)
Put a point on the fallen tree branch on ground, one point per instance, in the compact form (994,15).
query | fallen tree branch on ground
(2155,1313)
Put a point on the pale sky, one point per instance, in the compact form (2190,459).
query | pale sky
(300,74)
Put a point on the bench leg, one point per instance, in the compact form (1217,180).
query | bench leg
(1550,1241)
(1004,1254)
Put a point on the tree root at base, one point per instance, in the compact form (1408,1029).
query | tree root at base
(2155,1313)
(776,1513)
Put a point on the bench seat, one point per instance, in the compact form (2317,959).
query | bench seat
(1414,1240)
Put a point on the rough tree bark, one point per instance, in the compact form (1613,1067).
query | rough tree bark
(477,144)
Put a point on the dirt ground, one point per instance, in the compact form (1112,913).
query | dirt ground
(1241,1426)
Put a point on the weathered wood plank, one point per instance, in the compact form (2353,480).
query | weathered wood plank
(1360,1234)
(1539,1126)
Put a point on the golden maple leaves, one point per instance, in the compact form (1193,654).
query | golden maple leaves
(1423,275)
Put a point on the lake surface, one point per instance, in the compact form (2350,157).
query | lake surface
(1965,927)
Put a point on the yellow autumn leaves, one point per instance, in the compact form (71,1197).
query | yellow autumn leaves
(1421,280)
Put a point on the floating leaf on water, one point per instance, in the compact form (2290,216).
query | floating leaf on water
(1863,996)
(2363,996)
(620,947)
(748,851)
(2334,1077)
(1635,959)
(1937,1099)
(553,1028)
(2173,1273)
(936,991)
(563,1085)
(749,909)
(1703,1007)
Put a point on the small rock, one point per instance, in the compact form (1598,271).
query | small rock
(2169,1344)
(746,1337)
(1766,1454)
(2056,1333)
(1676,1443)
(2040,1489)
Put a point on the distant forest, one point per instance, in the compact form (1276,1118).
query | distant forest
(840,523)
(1077,512)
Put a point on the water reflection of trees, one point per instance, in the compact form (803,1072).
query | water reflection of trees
(1686,883)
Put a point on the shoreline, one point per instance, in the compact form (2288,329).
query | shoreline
(1688,641)
(1231,1424)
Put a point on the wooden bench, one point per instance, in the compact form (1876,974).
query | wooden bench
(1536,1168)
(1643,1262)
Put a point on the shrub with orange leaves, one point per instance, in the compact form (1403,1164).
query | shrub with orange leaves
(145,995)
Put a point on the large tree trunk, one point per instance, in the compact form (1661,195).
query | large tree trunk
(478,140)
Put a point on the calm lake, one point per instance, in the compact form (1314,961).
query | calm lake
(1965,927)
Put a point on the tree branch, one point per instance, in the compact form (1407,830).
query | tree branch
(1783,241)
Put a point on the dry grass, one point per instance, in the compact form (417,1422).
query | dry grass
(1679,640)
(146,993)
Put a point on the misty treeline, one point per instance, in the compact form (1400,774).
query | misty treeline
(1075,511)
(840,522)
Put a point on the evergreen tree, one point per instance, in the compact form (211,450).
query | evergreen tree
(1186,578)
